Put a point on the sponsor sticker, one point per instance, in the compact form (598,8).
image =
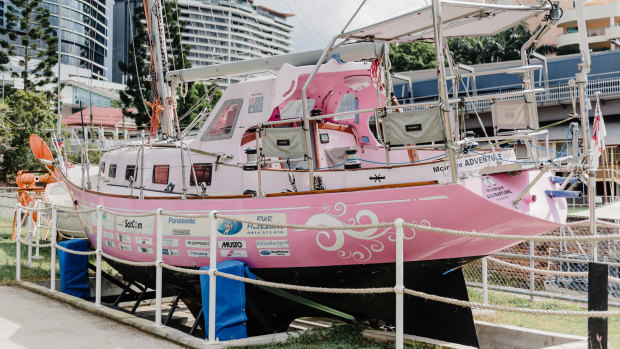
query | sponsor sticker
(108,235)
(147,250)
(234,253)
(184,226)
(237,229)
(197,243)
(124,238)
(143,241)
(171,242)
(110,243)
(261,244)
(134,225)
(195,253)
(228,244)
(125,247)
(169,252)
(274,253)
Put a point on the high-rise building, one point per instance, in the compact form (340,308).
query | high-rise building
(218,31)
(84,38)
(602,25)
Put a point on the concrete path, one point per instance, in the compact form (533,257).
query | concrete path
(29,320)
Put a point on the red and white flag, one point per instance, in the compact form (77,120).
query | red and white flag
(597,143)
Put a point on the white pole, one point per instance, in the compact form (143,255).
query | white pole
(30,234)
(485,281)
(18,244)
(99,251)
(53,250)
(158,262)
(531,272)
(592,205)
(399,288)
(37,230)
(213,268)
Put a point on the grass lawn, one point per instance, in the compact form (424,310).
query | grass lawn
(562,324)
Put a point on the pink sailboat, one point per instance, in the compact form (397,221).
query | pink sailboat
(319,144)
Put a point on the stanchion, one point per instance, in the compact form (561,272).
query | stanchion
(99,251)
(18,244)
(37,230)
(30,234)
(53,250)
(532,278)
(212,277)
(485,281)
(399,288)
(158,267)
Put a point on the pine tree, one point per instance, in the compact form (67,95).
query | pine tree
(31,38)
(189,102)
(138,91)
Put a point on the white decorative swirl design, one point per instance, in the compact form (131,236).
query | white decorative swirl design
(333,240)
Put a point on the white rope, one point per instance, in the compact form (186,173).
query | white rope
(135,264)
(127,214)
(466,304)
(306,227)
(186,271)
(80,253)
(32,244)
(545,238)
(32,209)
(546,272)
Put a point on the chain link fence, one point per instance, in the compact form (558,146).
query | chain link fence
(561,263)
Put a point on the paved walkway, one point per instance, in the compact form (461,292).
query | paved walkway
(29,320)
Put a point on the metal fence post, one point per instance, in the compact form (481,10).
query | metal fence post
(485,281)
(37,230)
(399,288)
(18,244)
(531,272)
(158,265)
(99,251)
(53,250)
(30,234)
(212,278)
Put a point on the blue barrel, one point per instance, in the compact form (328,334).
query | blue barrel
(74,269)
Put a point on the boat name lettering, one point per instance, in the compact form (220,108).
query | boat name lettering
(495,192)
(133,224)
(181,220)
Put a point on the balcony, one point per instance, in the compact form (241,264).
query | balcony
(568,39)
(595,35)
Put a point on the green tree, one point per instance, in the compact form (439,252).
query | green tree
(412,56)
(30,112)
(28,26)
(505,46)
(138,91)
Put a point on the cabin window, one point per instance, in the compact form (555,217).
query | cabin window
(130,171)
(224,122)
(294,109)
(203,174)
(348,102)
(160,174)
(112,171)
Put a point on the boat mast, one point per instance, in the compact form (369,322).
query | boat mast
(163,97)
(444,102)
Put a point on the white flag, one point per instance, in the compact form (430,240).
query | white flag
(597,143)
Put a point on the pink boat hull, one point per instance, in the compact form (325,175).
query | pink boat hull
(482,204)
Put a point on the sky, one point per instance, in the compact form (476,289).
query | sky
(317,21)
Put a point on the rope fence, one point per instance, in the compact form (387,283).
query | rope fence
(399,289)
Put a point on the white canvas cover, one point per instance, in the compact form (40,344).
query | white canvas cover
(288,142)
(413,127)
(511,114)
(460,19)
